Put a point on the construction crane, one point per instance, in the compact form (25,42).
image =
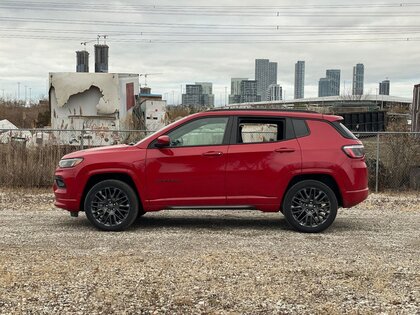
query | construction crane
(145,75)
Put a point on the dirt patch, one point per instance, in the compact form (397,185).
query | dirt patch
(209,262)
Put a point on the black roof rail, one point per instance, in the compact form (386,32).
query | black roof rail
(263,109)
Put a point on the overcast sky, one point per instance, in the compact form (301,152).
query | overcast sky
(374,33)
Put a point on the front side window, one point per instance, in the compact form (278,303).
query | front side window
(257,131)
(200,132)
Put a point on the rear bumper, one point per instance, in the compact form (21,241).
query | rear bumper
(354,197)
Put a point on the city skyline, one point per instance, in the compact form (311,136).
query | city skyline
(211,47)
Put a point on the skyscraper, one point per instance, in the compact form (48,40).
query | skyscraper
(265,74)
(198,94)
(300,79)
(334,76)
(275,92)
(358,79)
(249,91)
(384,87)
(330,85)
(324,87)
(207,91)
(235,90)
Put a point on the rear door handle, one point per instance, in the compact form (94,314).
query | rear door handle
(213,153)
(284,150)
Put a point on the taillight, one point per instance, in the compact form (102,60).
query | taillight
(355,151)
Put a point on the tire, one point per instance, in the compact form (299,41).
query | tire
(111,205)
(310,206)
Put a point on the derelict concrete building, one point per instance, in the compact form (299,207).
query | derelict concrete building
(92,101)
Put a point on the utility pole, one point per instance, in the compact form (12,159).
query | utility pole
(30,95)
(18,94)
(26,93)
(173,97)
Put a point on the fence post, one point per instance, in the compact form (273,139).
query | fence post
(82,137)
(377,163)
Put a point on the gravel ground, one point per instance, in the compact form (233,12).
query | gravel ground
(209,262)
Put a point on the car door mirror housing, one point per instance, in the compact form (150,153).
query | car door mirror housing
(163,141)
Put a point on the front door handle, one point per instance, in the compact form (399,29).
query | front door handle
(213,153)
(284,150)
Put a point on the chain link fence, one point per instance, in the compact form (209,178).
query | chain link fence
(393,159)
(28,157)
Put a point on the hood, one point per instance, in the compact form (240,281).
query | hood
(100,150)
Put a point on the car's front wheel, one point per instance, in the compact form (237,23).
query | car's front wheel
(111,205)
(310,206)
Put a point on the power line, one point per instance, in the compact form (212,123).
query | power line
(192,25)
(278,33)
(263,11)
(224,41)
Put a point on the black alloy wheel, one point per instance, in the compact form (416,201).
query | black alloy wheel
(111,205)
(310,206)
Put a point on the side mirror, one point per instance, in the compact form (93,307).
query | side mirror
(163,141)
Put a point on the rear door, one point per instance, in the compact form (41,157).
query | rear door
(262,158)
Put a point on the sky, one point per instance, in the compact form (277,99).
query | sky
(196,41)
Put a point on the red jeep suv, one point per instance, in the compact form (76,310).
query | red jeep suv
(303,164)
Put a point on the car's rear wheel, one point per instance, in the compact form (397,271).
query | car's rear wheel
(310,206)
(111,205)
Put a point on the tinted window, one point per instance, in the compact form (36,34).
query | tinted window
(256,131)
(301,128)
(343,130)
(205,131)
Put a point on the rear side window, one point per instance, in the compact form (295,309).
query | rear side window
(301,128)
(343,130)
(258,131)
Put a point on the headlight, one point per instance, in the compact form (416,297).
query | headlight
(66,163)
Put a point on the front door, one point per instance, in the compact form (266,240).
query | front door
(191,171)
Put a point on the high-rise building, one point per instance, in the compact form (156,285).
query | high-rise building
(358,79)
(207,87)
(249,91)
(330,85)
(334,76)
(299,79)
(193,95)
(235,85)
(265,75)
(324,87)
(208,96)
(82,59)
(384,87)
(275,92)
(101,58)
(198,94)
(235,90)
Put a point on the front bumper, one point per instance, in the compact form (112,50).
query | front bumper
(65,191)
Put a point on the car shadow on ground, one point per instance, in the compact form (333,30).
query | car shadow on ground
(224,222)
(211,223)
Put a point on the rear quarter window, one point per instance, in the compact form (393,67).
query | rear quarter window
(343,130)
(301,128)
